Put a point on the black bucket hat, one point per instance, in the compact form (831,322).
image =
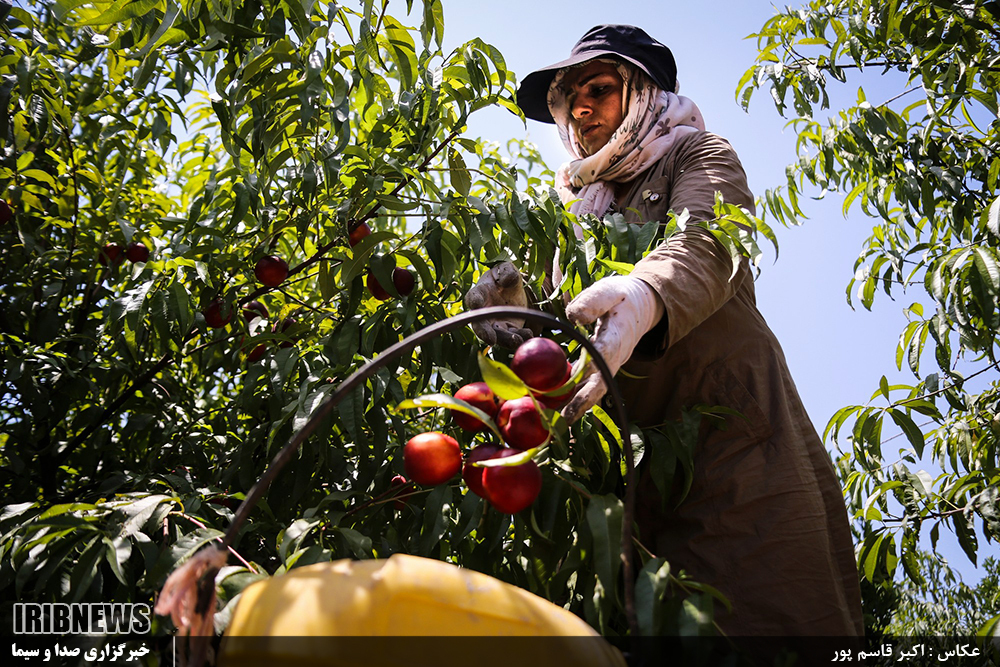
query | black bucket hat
(621,41)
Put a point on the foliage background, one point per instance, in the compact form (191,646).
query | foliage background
(231,259)
(216,134)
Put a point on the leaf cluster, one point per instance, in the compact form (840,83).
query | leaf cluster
(216,133)
(923,165)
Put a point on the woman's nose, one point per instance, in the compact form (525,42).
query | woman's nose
(580,109)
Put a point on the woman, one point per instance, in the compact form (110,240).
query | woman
(764,521)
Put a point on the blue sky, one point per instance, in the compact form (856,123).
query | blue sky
(837,355)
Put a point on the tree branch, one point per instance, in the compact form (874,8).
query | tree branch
(943,389)
(110,411)
(371,212)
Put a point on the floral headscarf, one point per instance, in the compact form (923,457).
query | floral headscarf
(653,121)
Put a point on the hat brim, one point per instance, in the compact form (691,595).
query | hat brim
(533,93)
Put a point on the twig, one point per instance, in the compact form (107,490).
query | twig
(944,389)
(905,92)
(109,411)
(375,208)
(583,492)
(382,498)
(199,524)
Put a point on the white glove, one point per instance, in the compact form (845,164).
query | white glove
(625,308)
(500,286)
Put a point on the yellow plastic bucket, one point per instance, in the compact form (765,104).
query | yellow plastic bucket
(420,609)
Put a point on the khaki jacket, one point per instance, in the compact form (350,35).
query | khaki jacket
(765,520)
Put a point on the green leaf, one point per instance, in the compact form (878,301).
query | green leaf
(452,403)
(515,460)
(361,253)
(85,569)
(359,544)
(138,513)
(459,173)
(604,518)
(986,265)
(24,160)
(710,590)
(870,555)
(327,284)
(603,417)
(395,203)
(992,218)
(241,205)
(173,10)
(696,616)
(912,431)
(501,380)
(650,589)
(966,536)
(437,516)
(621,268)
(179,553)
(119,12)
(117,554)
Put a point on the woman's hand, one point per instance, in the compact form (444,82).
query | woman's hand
(500,286)
(625,309)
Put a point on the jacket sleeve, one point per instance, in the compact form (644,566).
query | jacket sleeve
(691,271)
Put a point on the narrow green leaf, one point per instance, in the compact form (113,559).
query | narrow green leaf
(450,402)
(117,554)
(650,589)
(515,460)
(83,572)
(173,10)
(986,264)
(966,536)
(360,544)
(871,558)
(360,254)
(604,518)
(993,218)
(459,173)
(118,12)
(437,517)
(910,429)
(504,383)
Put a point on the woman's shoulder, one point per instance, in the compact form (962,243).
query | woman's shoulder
(703,142)
(689,150)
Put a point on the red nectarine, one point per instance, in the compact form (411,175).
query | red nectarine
(358,233)
(271,270)
(520,423)
(111,253)
(218,314)
(432,458)
(478,395)
(473,475)
(511,489)
(540,363)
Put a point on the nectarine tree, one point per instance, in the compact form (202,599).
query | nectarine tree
(332,148)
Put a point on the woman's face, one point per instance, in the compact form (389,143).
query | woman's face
(594,96)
